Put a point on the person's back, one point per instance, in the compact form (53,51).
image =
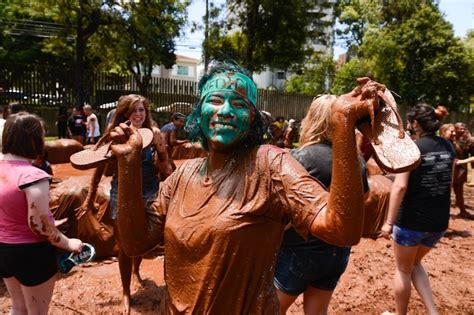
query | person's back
(426,203)
(418,214)
(28,233)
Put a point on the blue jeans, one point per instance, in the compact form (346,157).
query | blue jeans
(407,237)
(321,268)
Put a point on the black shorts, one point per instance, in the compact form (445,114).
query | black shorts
(31,264)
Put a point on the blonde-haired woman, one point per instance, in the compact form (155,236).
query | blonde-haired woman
(313,266)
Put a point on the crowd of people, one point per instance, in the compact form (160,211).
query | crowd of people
(254,206)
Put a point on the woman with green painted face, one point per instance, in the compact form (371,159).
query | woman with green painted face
(222,217)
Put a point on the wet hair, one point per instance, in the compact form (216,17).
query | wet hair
(125,107)
(427,117)
(315,125)
(257,130)
(23,135)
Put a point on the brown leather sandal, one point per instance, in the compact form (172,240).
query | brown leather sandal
(395,151)
(95,156)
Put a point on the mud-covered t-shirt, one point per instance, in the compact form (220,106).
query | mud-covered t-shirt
(222,231)
(425,206)
(317,160)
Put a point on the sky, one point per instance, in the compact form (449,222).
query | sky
(460,13)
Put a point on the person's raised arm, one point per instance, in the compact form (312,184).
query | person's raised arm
(341,222)
(162,161)
(40,219)
(88,203)
(140,230)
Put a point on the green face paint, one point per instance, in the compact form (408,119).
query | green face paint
(225,118)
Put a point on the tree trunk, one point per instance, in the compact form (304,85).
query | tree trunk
(80,49)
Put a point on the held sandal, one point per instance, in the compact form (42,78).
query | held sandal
(394,150)
(69,260)
(93,157)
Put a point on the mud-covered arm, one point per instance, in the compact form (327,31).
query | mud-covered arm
(174,139)
(93,185)
(341,222)
(40,219)
(163,163)
(140,229)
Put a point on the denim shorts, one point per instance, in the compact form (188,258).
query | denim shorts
(320,268)
(407,237)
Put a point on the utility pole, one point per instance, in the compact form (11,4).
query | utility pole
(206,37)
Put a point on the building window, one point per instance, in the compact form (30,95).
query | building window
(183,70)
(281,75)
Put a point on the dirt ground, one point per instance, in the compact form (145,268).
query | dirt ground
(365,288)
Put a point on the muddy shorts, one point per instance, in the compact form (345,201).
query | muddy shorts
(407,237)
(320,268)
(31,264)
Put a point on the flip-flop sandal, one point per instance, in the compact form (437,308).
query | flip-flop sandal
(394,150)
(93,157)
(69,260)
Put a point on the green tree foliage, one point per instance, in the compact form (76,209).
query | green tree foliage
(22,40)
(315,77)
(95,34)
(356,17)
(413,50)
(344,79)
(141,37)
(264,33)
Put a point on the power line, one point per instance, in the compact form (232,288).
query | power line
(43,29)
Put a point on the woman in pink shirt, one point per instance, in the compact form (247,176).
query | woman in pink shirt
(28,233)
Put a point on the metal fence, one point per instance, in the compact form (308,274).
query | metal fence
(47,86)
(51,87)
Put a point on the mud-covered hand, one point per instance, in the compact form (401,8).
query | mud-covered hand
(362,101)
(125,140)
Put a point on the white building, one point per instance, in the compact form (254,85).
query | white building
(186,68)
(322,42)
